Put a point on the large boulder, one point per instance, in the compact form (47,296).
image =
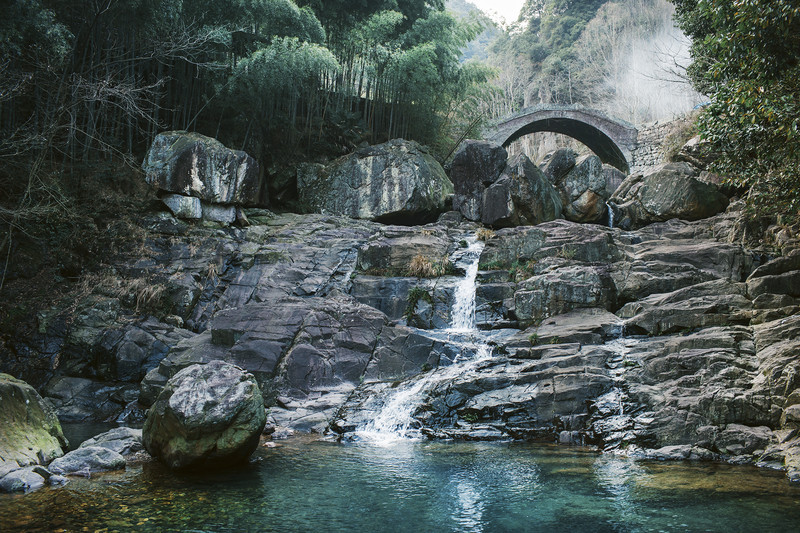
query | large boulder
(556,165)
(476,165)
(583,190)
(207,415)
(522,196)
(195,165)
(398,181)
(672,190)
(30,433)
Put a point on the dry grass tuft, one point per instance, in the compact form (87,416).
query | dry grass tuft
(484,234)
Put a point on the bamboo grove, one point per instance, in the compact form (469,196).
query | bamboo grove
(91,80)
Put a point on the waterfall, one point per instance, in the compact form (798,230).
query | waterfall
(610,215)
(395,421)
(463,312)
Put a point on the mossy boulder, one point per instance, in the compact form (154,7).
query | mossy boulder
(29,429)
(208,415)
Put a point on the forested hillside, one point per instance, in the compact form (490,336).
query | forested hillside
(622,56)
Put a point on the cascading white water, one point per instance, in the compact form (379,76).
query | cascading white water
(610,216)
(463,312)
(613,400)
(395,420)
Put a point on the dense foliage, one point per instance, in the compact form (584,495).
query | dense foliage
(747,58)
(85,82)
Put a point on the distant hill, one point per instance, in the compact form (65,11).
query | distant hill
(478,49)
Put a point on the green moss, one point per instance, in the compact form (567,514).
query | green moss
(415,295)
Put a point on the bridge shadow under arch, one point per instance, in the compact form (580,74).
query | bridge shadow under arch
(613,140)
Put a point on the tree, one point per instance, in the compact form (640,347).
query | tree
(746,57)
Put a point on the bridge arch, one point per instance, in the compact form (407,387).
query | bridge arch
(612,139)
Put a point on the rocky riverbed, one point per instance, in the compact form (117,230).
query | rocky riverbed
(663,338)
(672,341)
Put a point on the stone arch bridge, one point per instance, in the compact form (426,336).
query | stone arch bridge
(613,140)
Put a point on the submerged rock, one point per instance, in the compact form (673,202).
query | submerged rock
(207,415)
(30,432)
(87,461)
(396,182)
(24,480)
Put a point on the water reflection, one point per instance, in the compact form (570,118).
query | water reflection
(423,486)
(469,506)
(618,477)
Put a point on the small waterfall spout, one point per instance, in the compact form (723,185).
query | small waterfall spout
(610,215)
(395,420)
(463,312)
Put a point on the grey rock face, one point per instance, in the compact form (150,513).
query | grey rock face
(584,326)
(392,249)
(398,181)
(207,415)
(781,276)
(557,165)
(195,165)
(521,196)
(476,165)
(123,440)
(87,461)
(583,189)
(298,349)
(673,190)
(188,207)
(562,289)
(713,303)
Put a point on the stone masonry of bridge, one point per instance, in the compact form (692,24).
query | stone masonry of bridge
(615,141)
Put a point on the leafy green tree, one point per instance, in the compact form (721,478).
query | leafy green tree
(747,59)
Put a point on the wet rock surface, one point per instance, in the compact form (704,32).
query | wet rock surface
(672,341)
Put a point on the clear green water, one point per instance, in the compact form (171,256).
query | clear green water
(316,486)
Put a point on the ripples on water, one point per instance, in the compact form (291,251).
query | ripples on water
(419,486)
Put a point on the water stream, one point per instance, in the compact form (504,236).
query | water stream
(418,486)
(395,421)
